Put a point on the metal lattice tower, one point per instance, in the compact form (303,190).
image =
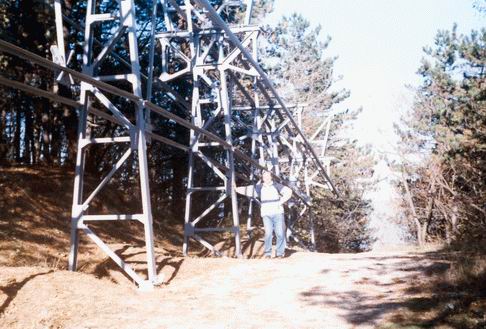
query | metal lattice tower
(134,138)
(238,126)
(228,89)
(208,66)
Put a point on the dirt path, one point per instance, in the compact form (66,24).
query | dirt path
(306,290)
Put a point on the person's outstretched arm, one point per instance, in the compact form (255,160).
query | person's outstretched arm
(248,190)
(286,194)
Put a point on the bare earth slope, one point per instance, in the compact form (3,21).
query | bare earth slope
(306,290)
(394,289)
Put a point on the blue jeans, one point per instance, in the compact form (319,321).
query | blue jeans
(274,223)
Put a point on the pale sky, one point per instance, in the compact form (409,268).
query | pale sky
(379,44)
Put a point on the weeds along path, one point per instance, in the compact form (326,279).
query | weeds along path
(305,290)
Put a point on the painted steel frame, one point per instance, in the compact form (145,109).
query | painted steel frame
(233,44)
(276,138)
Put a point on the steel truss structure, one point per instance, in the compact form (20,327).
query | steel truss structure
(238,126)
(230,90)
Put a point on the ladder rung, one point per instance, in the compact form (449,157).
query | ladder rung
(100,18)
(200,189)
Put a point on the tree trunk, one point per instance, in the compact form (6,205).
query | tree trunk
(179,167)
(3,137)
(448,223)
(56,137)
(430,212)
(70,122)
(423,233)
(37,136)
(16,138)
(454,219)
(418,225)
(3,125)
(46,132)
(28,136)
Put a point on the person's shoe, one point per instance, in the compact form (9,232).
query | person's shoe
(267,256)
(280,256)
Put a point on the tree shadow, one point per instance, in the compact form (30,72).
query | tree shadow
(427,296)
(248,246)
(103,269)
(12,290)
(362,308)
(175,264)
(253,246)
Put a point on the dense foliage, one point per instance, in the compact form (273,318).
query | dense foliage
(445,186)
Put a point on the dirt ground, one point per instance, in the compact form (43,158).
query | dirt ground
(400,288)
(305,290)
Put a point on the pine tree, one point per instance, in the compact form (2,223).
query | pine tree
(448,126)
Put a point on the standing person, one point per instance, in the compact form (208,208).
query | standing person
(272,197)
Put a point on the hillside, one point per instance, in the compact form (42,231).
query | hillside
(401,288)
(35,206)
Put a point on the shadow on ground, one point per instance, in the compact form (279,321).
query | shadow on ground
(12,289)
(437,289)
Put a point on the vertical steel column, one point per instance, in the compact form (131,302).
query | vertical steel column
(222,102)
(77,206)
(256,133)
(255,114)
(128,14)
(150,74)
(274,146)
(60,29)
(249,11)
(77,210)
(137,138)
(213,75)
(230,181)
(196,120)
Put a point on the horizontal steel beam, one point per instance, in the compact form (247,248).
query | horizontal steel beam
(187,34)
(266,107)
(38,92)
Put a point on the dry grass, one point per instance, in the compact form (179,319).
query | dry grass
(35,212)
(402,289)
(453,296)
